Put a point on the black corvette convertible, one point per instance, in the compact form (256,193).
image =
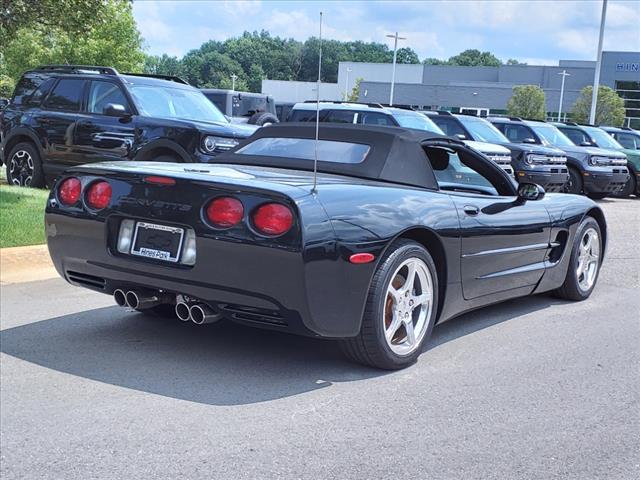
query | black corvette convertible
(405,229)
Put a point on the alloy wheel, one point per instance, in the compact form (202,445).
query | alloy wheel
(408,306)
(588,259)
(21,169)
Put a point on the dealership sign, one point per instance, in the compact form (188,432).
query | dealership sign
(628,67)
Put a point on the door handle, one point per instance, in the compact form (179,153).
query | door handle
(471,210)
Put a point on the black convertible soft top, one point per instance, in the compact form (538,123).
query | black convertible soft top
(396,154)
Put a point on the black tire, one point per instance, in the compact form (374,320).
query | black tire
(24,166)
(575,184)
(263,118)
(370,346)
(629,189)
(597,196)
(571,289)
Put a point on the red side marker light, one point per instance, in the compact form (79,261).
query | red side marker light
(157,180)
(359,258)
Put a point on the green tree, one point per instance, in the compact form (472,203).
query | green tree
(354,95)
(6,86)
(609,109)
(474,58)
(513,61)
(527,102)
(162,65)
(116,42)
(406,55)
(434,61)
(72,16)
(212,70)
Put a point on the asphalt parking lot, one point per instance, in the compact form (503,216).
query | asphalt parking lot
(532,388)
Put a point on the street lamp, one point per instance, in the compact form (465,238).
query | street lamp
(564,75)
(596,78)
(393,72)
(346,84)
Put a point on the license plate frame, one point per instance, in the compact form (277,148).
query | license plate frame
(156,253)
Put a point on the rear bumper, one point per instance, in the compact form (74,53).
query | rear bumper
(296,291)
(553,180)
(605,182)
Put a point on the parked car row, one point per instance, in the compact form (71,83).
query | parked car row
(65,115)
(589,162)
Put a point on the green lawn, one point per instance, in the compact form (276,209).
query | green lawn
(21,216)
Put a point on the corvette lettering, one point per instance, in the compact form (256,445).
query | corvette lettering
(144,202)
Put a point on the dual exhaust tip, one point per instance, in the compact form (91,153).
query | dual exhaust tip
(199,313)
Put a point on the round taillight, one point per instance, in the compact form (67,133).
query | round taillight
(69,191)
(273,219)
(99,195)
(225,212)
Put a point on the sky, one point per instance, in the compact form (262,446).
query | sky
(539,32)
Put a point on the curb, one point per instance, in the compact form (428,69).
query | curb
(25,264)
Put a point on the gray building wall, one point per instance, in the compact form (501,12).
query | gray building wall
(286,91)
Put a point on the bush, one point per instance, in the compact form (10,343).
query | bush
(609,109)
(527,102)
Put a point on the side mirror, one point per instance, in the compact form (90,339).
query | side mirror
(115,110)
(461,136)
(529,140)
(530,192)
(586,144)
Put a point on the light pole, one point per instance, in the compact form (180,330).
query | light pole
(596,78)
(393,71)
(346,85)
(564,75)
(233,81)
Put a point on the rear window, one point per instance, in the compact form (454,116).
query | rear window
(304,149)
(27,86)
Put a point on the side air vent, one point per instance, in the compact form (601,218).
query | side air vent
(86,280)
(250,314)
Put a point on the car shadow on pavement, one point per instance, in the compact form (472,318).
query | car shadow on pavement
(219,364)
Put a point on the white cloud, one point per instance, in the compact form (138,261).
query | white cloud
(541,30)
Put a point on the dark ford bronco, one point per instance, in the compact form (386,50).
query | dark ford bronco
(64,115)
(592,171)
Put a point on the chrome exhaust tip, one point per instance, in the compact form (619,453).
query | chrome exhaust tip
(183,312)
(202,313)
(120,297)
(143,300)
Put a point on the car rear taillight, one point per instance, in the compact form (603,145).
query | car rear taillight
(69,191)
(224,212)
(99,195)
(273,219)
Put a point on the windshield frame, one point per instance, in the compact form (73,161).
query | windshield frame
(539,131)
(433,128)
(601,134)
(469,122)
(169,93)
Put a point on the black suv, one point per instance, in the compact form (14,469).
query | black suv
(545,166)
(64,115)
(244,107)
(593,171)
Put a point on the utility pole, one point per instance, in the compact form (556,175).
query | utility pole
(346,85)
(596,78)
(564,74)
(393,71)
(233,81)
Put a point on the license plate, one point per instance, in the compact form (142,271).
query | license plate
(157,241)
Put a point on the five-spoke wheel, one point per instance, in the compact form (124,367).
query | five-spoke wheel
(24,168)
(401,308)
